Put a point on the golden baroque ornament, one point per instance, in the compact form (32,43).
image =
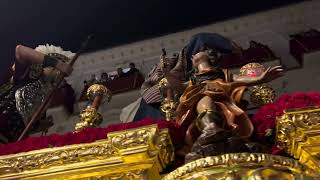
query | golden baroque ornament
(136,138)
(99,90)
(89,117)
(241,165)
(165,148)
(143,158)
(130,175)
(169,108)
(61,156)
(168,105)
(293,125)
(262,94)
(298,133)
(163,82)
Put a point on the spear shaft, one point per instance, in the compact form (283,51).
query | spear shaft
(46,102)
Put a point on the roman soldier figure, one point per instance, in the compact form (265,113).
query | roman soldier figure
(34,75)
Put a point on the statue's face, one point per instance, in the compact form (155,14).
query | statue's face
(198,58)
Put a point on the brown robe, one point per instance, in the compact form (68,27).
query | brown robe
(226,96)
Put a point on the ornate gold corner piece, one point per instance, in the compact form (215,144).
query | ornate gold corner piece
(139,139)
(310,156)
(131,154)
(241,165)
(298,130)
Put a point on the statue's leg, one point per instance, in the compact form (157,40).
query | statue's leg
(210,122)
(219,132)
(191,135)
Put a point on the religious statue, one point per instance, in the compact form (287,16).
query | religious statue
(178,65)
(34,74)
(151,96)
(209,108)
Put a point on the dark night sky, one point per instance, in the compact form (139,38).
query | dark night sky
(67,22)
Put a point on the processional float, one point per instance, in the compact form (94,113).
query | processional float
(148,152)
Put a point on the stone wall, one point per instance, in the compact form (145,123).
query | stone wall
(270,27)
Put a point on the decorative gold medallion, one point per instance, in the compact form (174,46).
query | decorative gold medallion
(262,94)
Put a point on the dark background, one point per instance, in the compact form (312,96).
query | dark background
(113,22)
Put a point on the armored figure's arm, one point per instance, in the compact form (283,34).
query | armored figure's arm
(26,56)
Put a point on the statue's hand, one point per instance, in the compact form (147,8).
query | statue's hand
(271,73)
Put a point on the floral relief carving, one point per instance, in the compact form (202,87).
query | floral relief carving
(133,139)
(59,157)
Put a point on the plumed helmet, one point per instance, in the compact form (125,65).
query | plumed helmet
(55,51)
